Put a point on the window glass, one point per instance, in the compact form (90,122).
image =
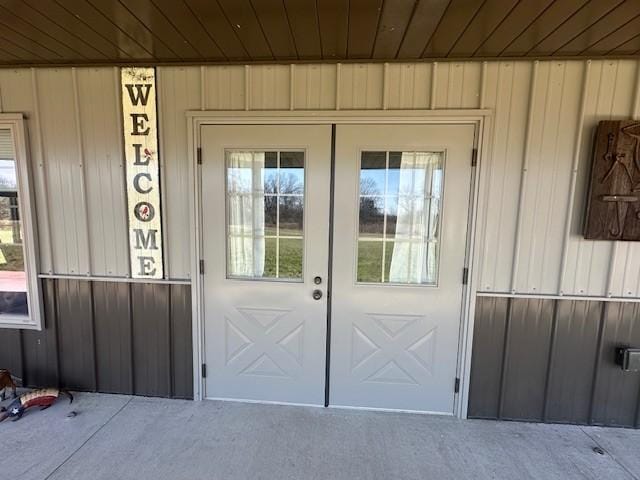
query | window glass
(399,219)
(13,277)
(265,214)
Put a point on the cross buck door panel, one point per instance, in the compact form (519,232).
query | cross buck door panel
(402,203)
(265,220)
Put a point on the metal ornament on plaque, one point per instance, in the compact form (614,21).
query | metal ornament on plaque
(613,203)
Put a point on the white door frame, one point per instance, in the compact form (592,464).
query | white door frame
(480,118)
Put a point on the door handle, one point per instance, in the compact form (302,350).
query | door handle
(317,294)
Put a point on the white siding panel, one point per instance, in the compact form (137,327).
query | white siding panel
(314,87)
(589,267)
(179,91)
(361,86)
(17,94)
(524,216)
(269,87)
(625,267)
(63,165)
(556,104)
(507,93)
(409,85)
(103,160)
(457,85)
(224,87)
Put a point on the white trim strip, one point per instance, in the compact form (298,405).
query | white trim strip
(94,278)
(558,297)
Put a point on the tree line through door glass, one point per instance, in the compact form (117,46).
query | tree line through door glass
(265,214)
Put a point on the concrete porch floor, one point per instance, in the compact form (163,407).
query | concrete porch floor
(123,437)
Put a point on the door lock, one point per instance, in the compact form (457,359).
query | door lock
(317,294)
(317,280)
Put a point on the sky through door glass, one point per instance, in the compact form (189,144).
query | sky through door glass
(265,214)
(399,217)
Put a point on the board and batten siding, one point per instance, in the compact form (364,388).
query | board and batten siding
(534,174)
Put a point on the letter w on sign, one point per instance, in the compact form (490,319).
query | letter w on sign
(140,133)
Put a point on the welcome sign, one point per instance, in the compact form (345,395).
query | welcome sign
(140,129)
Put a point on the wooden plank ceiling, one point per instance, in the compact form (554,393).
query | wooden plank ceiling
(40,32)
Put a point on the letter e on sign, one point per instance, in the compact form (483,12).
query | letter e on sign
(140,132)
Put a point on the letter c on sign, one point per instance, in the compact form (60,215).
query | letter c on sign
(136,182)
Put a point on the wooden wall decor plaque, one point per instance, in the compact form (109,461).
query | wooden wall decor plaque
(613,202)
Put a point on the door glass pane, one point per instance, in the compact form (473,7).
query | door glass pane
(399,223)
(13,278)
(265,214)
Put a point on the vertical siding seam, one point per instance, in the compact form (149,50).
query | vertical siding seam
(385,85)
(247,87)
(132,361)
(582,245)
(574,176)
(550,358)
(123,166)
(434,76)
(56,320)
(292,79)
(23,357)
(554,181)
(162,166)
(613,257)
(505,356)
(635,113)
(43,177)
(523,178)
(483,85)
(483,178)
(528,287)
(83,177)
(596,367)
(171,369)
(203,88)
(338,85)
(501,67)
(93,337)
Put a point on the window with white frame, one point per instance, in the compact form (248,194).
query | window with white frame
(19,286)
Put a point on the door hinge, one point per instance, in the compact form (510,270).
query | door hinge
(201,267)
(474,157)
(199,156)
(456,386)
(465,275)
(204,370)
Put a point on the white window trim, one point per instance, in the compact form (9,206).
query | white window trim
(16,124)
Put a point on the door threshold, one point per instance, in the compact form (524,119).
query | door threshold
(392,410)
(265,402)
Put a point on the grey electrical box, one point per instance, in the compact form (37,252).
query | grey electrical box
(628,359)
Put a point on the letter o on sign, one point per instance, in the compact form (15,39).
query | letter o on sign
(144,211)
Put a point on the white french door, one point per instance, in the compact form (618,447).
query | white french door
(265,224)
(401,200)
(399,253)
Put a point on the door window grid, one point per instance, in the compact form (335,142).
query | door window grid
(273,185)
(425,178)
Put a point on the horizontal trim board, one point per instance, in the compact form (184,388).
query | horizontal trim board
(559,297)
(224,63)
(92,278)
(453,115)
